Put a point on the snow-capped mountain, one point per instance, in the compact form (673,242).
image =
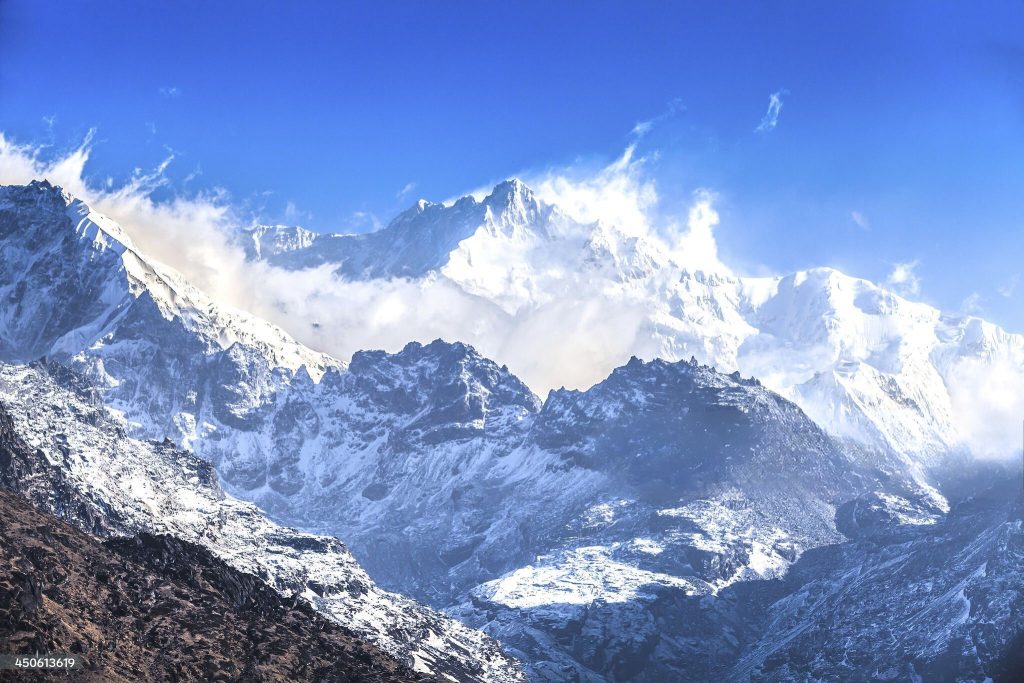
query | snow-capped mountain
(453,483)
(267,241)
(424,237)
(606,534)
(170,358)
(442,469)
(63,451)
(863,362)
(912,598)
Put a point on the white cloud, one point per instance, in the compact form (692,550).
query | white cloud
(196,172)
(642,128)
(597,321)
(293,215)
(860,220)
(971,304)
(623,195)
(617,194)
(904,279)
(771,117)
(170,91)
(404,192)
(366,221)
(989,404)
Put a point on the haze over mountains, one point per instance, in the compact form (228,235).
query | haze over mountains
(662,523)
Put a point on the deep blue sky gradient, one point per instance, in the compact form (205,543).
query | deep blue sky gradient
(910,113)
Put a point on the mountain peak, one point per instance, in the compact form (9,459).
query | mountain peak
(510,191)
(513,201)
(264,241)
(37,193)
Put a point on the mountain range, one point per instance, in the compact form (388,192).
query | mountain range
(868,364)
(668,522)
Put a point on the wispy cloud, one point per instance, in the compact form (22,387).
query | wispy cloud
(904,278)
(293,214)
(196,172)
(860,220)
(771,117)
(366,221)
(170,91)
(972,304)
(987,403)
(597,322)
(404,192)
(642,128)
(50,121)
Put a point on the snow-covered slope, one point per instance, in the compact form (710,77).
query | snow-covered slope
(864,362)
(942,602)
(453,483)
(175,362)
(63,451)
(267,241)
(589,531)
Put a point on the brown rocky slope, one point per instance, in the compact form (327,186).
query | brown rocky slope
(154,608)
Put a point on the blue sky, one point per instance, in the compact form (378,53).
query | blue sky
(899,138)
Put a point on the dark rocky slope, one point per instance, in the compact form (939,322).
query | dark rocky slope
(59,450)
(154,608)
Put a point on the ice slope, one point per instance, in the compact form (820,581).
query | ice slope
(63,451)
(863,362)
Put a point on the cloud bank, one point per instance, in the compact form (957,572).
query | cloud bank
(598,328)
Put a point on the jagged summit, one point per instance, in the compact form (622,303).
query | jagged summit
(79,291)
(265,241)
(514,204)
(658,368)
(425,237)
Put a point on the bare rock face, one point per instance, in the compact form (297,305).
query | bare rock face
(154,608)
